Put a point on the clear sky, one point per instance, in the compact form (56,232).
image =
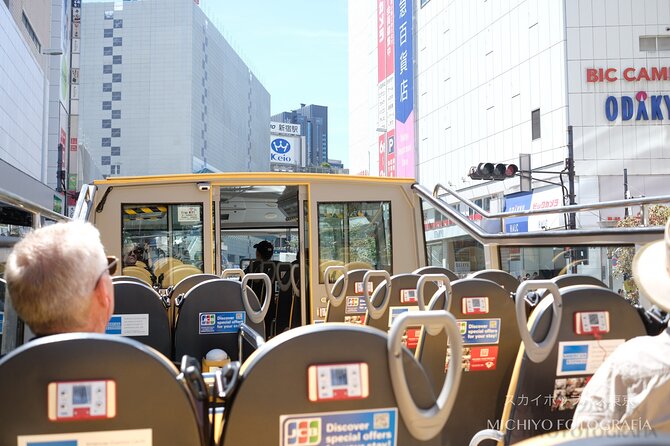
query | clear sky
(298,50)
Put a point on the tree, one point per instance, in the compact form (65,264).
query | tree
(658,216)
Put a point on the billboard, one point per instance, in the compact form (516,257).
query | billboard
(404,88)
(522,201)
(385,80)
(284,149)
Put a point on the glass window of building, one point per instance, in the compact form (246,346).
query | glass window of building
(535,123)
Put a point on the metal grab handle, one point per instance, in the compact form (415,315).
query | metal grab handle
(232,272)
(246,333)
(225,379)
(444,288)
(538,352)
(335,300)
(294,285)
(377,312)
(257,316)
(486,434)
(425,424)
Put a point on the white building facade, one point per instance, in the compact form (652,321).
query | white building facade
(496,79)
(163,92)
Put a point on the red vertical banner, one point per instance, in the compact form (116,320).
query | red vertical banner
(381,39)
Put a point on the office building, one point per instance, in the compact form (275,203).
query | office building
(489,81)
(34,50)
(163,92)
(313,121)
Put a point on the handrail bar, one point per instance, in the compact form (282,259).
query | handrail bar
(15,200)
(556,210)
(569,237)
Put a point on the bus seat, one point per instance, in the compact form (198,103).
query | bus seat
(178,273)
(402,297)
(279,388)
(140,263)
(357,265)
(144,395)
(164,264)
(580,328)
(577,279)
(140,273)
(502,278)
(599,437)
(437,270)
(285,297)
(3,286)
(210,315)
(325,264)
(140,314)
(488,363)
(345,297)
(296,303)
(128,279)
(182,287)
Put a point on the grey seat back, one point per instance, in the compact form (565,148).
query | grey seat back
(210,316)
(3,286)
(488,360)
(139,313)
(273,402)
(550,389)
(285,298)
(437,270)
(182,287)
(577,279)
(353,308)
(140,385)
(502,278)
(403,298)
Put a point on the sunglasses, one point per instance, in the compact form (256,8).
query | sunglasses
(110,268)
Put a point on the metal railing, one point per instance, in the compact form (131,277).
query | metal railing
(599,236)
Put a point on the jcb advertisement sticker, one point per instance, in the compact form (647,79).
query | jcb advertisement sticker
(479,331)
(355,305)
(220,322)
(360,427)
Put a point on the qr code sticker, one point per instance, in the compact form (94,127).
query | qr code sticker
(381,421)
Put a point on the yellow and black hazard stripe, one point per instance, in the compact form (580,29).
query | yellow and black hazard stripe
(145,212)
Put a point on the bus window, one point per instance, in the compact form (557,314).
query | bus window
(355,233)
(546,262)
(162,242)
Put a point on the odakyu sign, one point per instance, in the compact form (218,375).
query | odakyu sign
(642,107)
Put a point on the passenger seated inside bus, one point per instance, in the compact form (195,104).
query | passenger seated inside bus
(59,279)
(632,387)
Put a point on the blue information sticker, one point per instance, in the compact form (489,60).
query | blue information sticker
(221,322)
(479,331)
(574,358)
(2,321)
(114,325)
(54,443)
(355,305)
(375,427)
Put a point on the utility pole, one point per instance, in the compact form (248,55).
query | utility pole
(625,191)
(570,164)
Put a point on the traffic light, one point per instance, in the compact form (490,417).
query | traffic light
(490,171)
